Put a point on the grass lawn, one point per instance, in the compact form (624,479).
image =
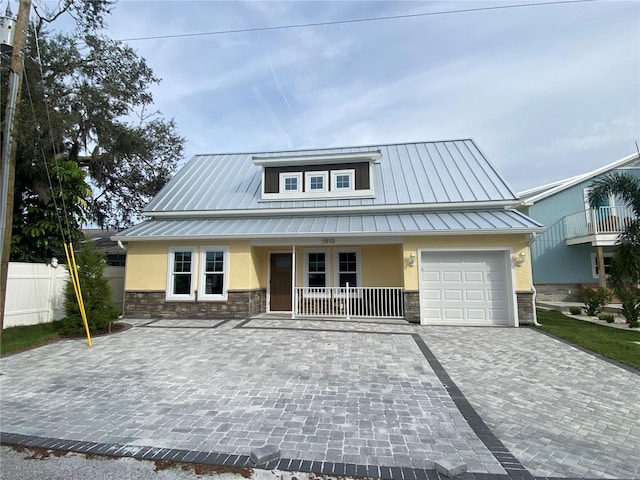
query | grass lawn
(610,342)
(15,339)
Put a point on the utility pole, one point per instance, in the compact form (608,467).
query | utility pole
(8,169)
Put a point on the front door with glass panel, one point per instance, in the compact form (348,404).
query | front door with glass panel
(280,282)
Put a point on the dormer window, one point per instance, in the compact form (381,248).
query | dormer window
(290,182)
(315,182)
(342,180)
(338,175)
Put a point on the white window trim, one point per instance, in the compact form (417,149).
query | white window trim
(594,263)
(286,175)
(327,273)
(225,272)
(336,263)
(307,181)
(194,266)
(352,179)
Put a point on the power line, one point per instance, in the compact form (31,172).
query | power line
(356,20)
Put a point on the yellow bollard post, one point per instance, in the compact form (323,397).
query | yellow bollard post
(73,271)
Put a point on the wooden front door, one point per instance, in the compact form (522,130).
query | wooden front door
(280,282)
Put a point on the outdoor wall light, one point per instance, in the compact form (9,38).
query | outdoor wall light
(519,260)
(54,262)
(412,259)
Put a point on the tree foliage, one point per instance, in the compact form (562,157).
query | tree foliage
(625,267)
(87,100)
(96,293)
(37,225)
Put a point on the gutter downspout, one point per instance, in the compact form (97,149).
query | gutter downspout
(123,247)
(533,287)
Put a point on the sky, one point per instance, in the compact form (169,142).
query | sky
(547,92)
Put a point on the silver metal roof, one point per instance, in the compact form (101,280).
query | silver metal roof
(406,174)
(533,195)
(491,221)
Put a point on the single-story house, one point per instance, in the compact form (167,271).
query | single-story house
(421,231)
(576,249)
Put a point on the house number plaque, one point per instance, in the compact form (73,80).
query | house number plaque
(328,241)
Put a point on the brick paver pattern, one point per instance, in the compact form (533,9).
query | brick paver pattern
(335,391)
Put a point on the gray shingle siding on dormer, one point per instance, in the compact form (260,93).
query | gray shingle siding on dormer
(406,174)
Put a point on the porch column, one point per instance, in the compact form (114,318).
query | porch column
(601,272)
(294,300)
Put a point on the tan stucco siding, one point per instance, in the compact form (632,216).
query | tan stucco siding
(518,243)
(242,272)
(260,257)
(382,266)
(147,264)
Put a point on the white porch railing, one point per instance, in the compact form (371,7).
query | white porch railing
(597,221)
(349,302)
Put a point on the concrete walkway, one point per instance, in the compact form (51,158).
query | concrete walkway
(370,399)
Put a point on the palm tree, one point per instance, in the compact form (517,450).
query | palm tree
(626,187)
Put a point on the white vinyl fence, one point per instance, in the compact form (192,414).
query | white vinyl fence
(35,292)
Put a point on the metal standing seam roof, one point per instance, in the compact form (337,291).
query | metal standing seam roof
(533,195)
(491,221)
(406,174)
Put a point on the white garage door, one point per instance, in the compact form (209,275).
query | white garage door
(465,288)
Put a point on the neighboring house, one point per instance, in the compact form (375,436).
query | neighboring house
(103,244)
(421,231)
(576,249)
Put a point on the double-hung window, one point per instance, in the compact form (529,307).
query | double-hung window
(316,271)
(213,273)
(348,268)
(180,281)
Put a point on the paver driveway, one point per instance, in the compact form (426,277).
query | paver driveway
(347,393)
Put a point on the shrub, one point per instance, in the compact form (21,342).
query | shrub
(594,300)
(607,317)
(96,294)
(575,310)
(630,298)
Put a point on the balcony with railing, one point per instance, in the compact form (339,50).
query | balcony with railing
(349,302)
(597,226)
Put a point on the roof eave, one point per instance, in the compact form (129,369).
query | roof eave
(411,233)
(277,212)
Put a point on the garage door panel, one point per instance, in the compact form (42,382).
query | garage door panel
(453,295)
(454,313)
(475,295)
(476,314)
(471,277)
(432,294)
(451,277)
(464,287)
(430,276)
(433,314)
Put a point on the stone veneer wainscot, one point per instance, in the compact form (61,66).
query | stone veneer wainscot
(153,304)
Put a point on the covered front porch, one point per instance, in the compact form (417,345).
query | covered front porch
(349,302)
(347,278)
